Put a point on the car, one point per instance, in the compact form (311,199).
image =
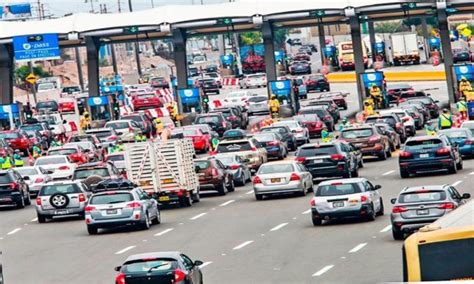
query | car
(317,82)
(199,59)
(418,206)
(300,132)
(323,114)
(405,117)
(193,71)
(14,190)
(339,98)
(461,55)
(237,98)
(201,142)
(212,68)
(75,153)
(159,267)
(70,91)
(248,149)
(37,139)
(300,67)
(41,127)
(282,177)
(394,90)
(215,76)
(47,106)
(346,198)
(119,203)
(208,85)
(306,48)
(205,129)
(463,138)
(94,153)
(429,154)
(67,105)
(61,199)
(216,121)
(60,166)
(429,103)
(126,129)
(310,46)
(391,134)
(146,101)
(144,121)
(107,137)
(301,56)
(159,83)
(312,122)
(35,178)
(417,116)
(55,121)
(286,135)
(294,41)
(391,119)
(276,148)
(468,125)
(17,139)
(329,105)
(258,105)
(420,106)
(237,166)
(327,160)
(369,139)
(231,115)
(234,134)
(214,176)
(242,113)
(104,170)
(118,160)
(5,149)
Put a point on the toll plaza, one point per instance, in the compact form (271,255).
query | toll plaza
(283,90)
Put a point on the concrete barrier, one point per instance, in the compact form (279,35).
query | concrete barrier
(349,77)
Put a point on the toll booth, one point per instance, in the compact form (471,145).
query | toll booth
(281,63)
(100,109)
(227,61)
(465,71)
(11,116)
(376,78)
(112,85)
(330,53)
(379,51)
(190,100)
(434,43)
(283,90)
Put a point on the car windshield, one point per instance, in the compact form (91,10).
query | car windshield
(236,95)
(35,127)
(258,99)
(468,125)
(202,165)
(276,169)
(150,266)
(27,171)
(425,100)
(423,143)
(111,198)
(117,125)
(317,151)
(50,161)
(357,133)
(115,158)
(337,189)
(52,120)
(9,135)
(234,147)
(66,152)
(422,196)
(208,119)
(388,120)
(265,137)
(5,178)
(59,188)
(85,173)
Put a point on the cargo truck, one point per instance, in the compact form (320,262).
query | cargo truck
(405,48)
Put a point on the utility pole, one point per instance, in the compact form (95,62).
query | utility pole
(137,46)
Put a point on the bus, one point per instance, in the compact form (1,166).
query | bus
(443,250)
(346,55)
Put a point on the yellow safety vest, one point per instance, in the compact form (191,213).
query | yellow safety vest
(19,163)
(445,120)
(6,164)
(462,106)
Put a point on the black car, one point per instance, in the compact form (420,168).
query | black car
(420,106)
(276,148)
(47,106)
(327,160)
(286,135)
(300,67)
(392,135)
(461,55)
(216,121)
(426,154)
(317,82)
(159,267)
(294,41)
(391,119)
(212,68)
(13,189)
(430,104)
(231,116)
(330,105)
(323,114)
(208,85)
(145,122)
(159,83)
(193,72)
(242,113)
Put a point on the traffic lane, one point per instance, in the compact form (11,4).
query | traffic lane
(11,217)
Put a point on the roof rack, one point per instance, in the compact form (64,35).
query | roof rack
(114,184)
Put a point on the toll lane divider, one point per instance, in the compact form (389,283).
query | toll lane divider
(391,76)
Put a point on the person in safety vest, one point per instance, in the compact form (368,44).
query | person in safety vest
(325,135)
(445,120)
(344,123)
(462,107)
(173,111)
(37,152)
(376,95)
(55,143)
(159,125)
(430,130)
(18,159)
(466,89)
(5,162)
(119,147)
(140,137)
(274,105)
(85,121)
(368,108)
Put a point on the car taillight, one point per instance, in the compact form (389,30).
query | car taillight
(120,279)
(254,149)
(224,124)
(38,201)
(447,205)
(468,142)
(179,275)
(326,117)
(399,209)
(14,186)
(134,205)
(363,198)
(406,119)
(294,177)
(112,138)
(89,208)
(234,167)
(300,159)
(82,197)
(445,151)
(312,203)
(62,168)
(273,143)
(337,157)
(39,180)
(214,172)
(399,125)
(374,139)
(130,129)
(257,180)
(405,154)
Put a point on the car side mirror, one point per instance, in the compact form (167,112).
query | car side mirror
(378,186)
(50,172)
(196,169)
(466,196)
(64,121)
(26,178)
(436,101)
(198,263)
(117,268)
(393,200)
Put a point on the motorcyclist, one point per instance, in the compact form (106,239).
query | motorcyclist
(274,105)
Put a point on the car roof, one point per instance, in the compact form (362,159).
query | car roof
(150,255)
(316,145)
(343,181)
(92,165)
(120,120)
(93,130)
(52,156)
(423,187)
(423,137)
(284,162)
(233,141)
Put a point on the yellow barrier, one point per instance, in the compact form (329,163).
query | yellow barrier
(349,77)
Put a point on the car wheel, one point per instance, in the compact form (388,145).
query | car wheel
(303,191)
(231,187)
(41,218)
(222,188)
(196,197)
(157,219)
(186,201)
(92,230)
(28,200)
(316,221)
(460,165)
(371,216)
(147,223)
(397,234)
(21,204)
(258,196)
(294,147)
(392,147)
(361,163)
(381,210)
(453,169)
(389,153)
(348,174)
(383,156)
(355,173)
(404,174)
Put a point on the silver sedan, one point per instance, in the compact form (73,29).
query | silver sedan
(282,177)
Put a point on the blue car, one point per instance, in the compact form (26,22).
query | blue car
(276,148)
(463,138)
(427,154)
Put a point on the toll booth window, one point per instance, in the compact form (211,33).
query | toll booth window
(100,113)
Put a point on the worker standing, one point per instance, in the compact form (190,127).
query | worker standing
(462,108)
(5,162)
(368,108)
(274,105)
(376,95)
(326,137)
(159,125)
(18,159)
(140,137)
(37,152)
(85,121)
(445,120)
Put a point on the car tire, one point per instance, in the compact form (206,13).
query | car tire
(303,192)
(157,219)
(347,174)
(147,223)
(355,173)
(397,234)
(316,221)
(21,204)
(389,153)
(41,218)
(222,188)
(294,146)
(28,199)
(460,166)
(231,187)
(381,210)
(404,174)
(92,230)
(371,217)
(361,163)
(186,201)
(258,196)
(393,148)
(383,156)
(196,197)
(453,169)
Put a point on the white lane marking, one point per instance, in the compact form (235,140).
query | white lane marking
(227,203)
(205,264)
(276,228)
(163,232)
(250,192)
(34,220)
(14,231)
(357,247)
(306,212)
(323,270)
(457,183)
(389,172)
(242,245)
(197,216)
(125,249)
(386,229)
(471,173)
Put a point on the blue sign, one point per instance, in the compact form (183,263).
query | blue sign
(435,43)
(329,51)
(98,101)
(4,112)
(280,88)
(111,85)
(227,59)
(279,56)
(373,78)
(189,96)
(36,47)
(15,11)
(466,71)
(380,47)
(453,35)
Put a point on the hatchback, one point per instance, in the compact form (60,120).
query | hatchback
(13,189)
(35,177)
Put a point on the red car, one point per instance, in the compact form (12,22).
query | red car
(312,122)
(201,142)
(146,101)
(67,105)
(302,56)
(17,139)
(75,153)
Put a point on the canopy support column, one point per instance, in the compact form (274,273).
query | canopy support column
(358,57)
(80,76)
(6,73)
(372,41)
(181,62)
(92,47)
(447,53)
(268,42)
(114,59)
(322,42)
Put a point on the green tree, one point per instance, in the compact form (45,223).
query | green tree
(432,21)
(389,27)
(280,36)
(250,38)
(23,71)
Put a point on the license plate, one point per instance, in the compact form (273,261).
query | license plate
(168,180)
(111,211)
(422,212)
(61,212)
(275,180)
(318,161)
(338,204)
(6,199)
(164,198)
(424,155)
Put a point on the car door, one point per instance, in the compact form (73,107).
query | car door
(145,200)
(222,170)
(374,195)
(306,175)
(350,156)
(455,196)
(194,273)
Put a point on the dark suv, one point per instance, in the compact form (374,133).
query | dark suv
(369,140)
(144,121)
(213,175)
(331,107)
(216,121)
(286,135)
(231,115)
(105,170)
(13,189)
(391,119)
(208,85)
(323,114)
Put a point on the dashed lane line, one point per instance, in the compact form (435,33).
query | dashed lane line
(163,232)
(276,228)
(14,231)
(205,264)
(227,203)
(34,220)
(242,245)
(388,173)
(306,212)
(197,216)
(457,183)
(386,229)
(323,270)
(357,247)
(249,192)
(125,249)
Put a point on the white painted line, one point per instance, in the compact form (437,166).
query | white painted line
(276,228)
(197,216)
(205,264)
(163,232)
(306,212)
(457,183)
(323,270)
(14,231)
(34,220)
(242,245)
(250,192)
(227,203)
(386,229)
(125,249)
(358,248)
(389,172)
(471,173)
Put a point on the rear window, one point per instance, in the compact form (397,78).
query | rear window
(9,135)
(62,152)
(456,134)
(26,171)
(357,133)
(115,158)
(50,161)
(190,132)
(85,173)
(317,151)
(59,188)
(318,111)
(424,143)
(150,266)
(117,125)
(5,178)
(428,196)
(307,118)
(258,99)
(111,198)
(208,119)
(202,165)
(33,127)
(276,169)
(234,147)
(388,120)
(337,189)
(227,160)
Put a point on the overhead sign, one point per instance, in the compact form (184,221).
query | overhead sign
(15,12)
(131,30)
(224,21)
(317,13)
(31,78)
(98,101)
(280,88)
(36,47)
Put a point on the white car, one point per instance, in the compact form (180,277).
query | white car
(125,128)
(55,121)
(118,160)
(61,166)
(215,76)
(405,117)
(300,132)
(35,177)
(253,81)
(238,98)
(469,125)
